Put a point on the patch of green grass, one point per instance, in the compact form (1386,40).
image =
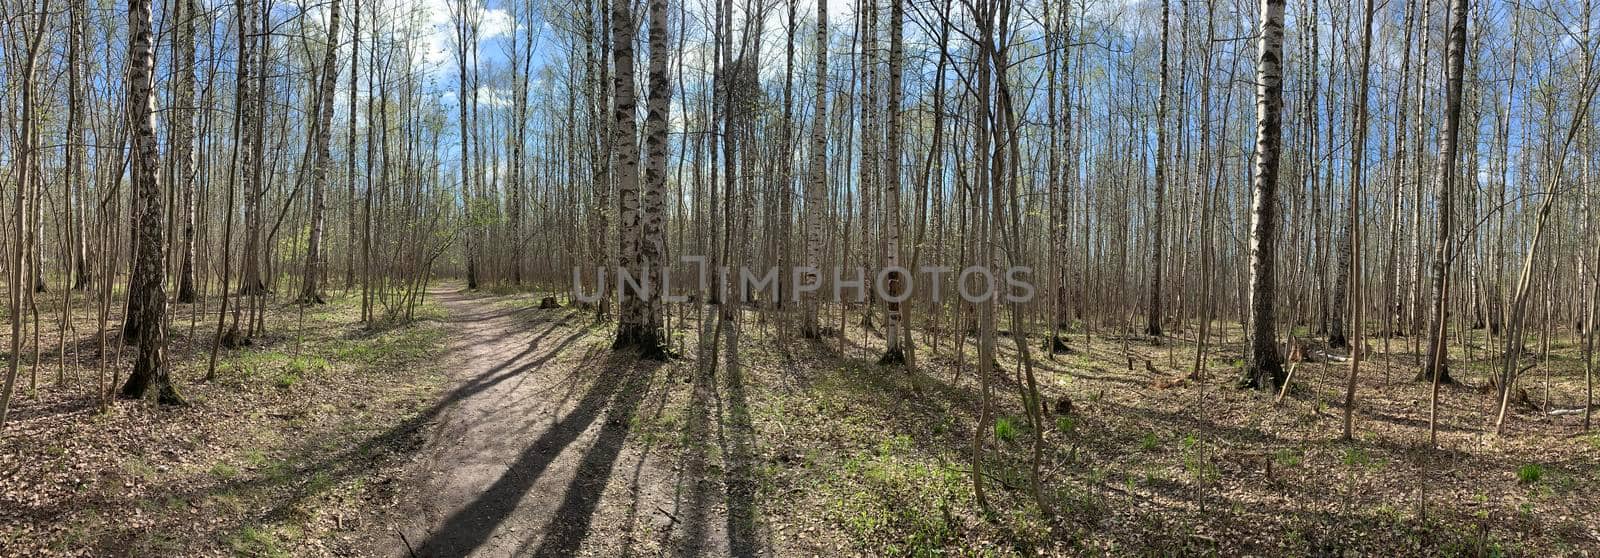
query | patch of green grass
(1005,429)
(319,482)
(895,503)
(247,364)
(285,370)
(504,289)
(257,542)
(228,501)
(155,543)
(1387,513)
(895,445)
(1462,540)
(1153,476)
(430,310)
(1530,473)
(224,471)
(1356,457)
(286,380)
(303,365)
(256,458)
(1149,442)
(355,351)
(1287,457)
(278,472)
(1065,425)
(388,346)
(1098,475)
(172,503)
(1557,484)
(138,468)
(1295,538)
(1197,461)
(1189,442)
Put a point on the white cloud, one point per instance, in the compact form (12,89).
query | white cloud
(437,19)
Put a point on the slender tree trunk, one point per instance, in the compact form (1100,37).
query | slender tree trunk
(1158,234)
(600,137)
(1264,368)
(521,63)
(466,35)
(1358,157)
(1419,250)
(1207,305)
(183,153)
(1340,306)
(817,183)
(150,366)
(77,75)
(896,337)
(23,169)
(1437,363)
(352,234)
(870,102)
(982,12)
(311,290)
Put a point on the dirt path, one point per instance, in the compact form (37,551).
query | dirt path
(530,454)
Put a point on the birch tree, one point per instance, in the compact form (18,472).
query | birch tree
(150,369)
(1158,236)
(311,289)
(1264,367)
(893,332)
(183,152)
(641,325)
(816,183)
(1436,367)
(634,329)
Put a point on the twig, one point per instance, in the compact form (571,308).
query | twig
(1287,379)
(669,515)
(410,550)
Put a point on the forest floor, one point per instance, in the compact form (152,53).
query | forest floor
(492,427)
(283,454)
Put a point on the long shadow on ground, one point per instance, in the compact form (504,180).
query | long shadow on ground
(613,395)
(572,520)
